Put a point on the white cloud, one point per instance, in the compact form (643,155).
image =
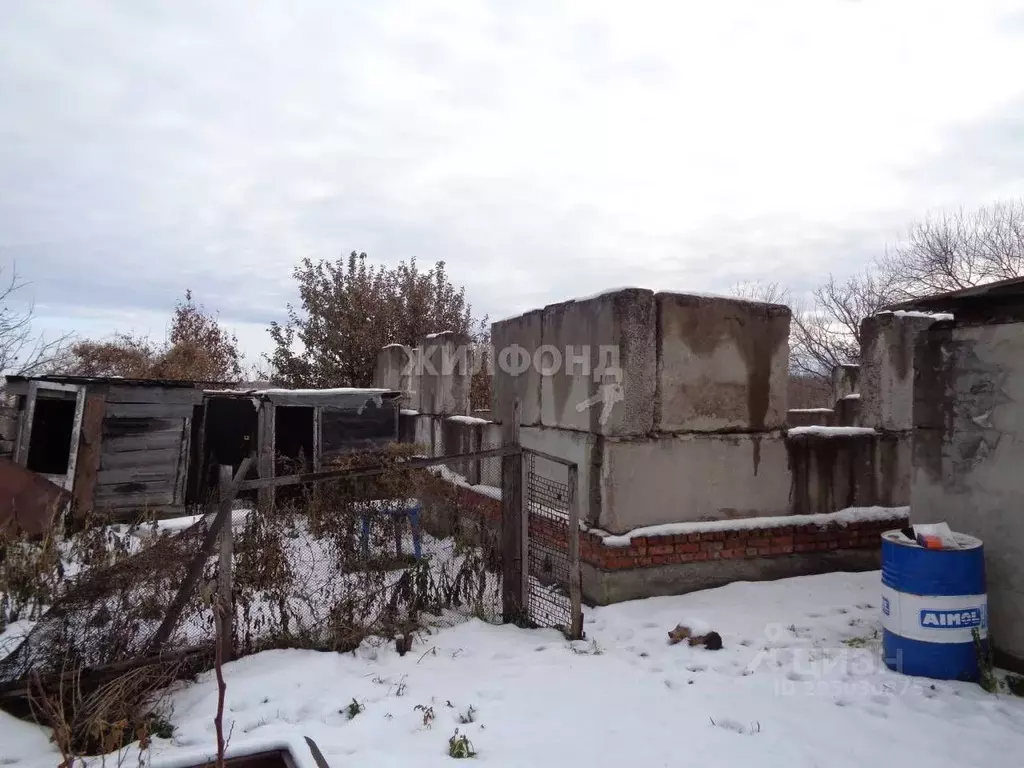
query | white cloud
(545,149)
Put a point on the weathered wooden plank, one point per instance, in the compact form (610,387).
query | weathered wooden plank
(140,458)
(142,502)
(146,474)
(149,410)
(132,427)
(181,396)
(89,454)
(133,487)
(181,462)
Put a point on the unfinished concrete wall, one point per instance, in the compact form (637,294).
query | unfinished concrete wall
(887,369)
(512,340)
(394,369)
(969,455)
(691,478)
(723,365)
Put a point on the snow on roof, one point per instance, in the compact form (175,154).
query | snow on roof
(936,316)
(831,431)
(842,518)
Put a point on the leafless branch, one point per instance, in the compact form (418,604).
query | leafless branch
(22,351)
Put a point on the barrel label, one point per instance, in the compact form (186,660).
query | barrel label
(970,617)
(885,605)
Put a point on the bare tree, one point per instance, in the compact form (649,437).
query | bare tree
(951,251)
(828,334)
(770,293)
(22,351)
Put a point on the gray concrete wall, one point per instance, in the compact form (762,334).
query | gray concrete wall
(810,417)
(623,321)
(603,587)
(887,369)
(969,455)
(722,364)
(692,477)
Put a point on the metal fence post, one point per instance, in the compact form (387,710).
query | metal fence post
(573,533)
(513,554)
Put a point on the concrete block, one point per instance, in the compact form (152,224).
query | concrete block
(887,369)
(847,411)
(810,417)
(845,381)
(831,472)
(393,369)
(679,478)
(722,364)
(605,383)
(490,469)
(444,374)
(581,448)
(507,338)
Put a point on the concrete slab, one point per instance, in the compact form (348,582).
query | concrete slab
(512,380)
(887,369)
(679,478)
(444,374)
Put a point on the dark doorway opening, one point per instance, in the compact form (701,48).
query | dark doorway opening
(49,449)
(293,438)
(194,491)
(230,436)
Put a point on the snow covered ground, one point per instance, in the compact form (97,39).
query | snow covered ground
(799,683)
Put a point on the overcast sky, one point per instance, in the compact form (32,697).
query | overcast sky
(544,148)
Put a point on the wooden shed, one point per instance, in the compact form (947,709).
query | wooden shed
(119,446)
(122,447)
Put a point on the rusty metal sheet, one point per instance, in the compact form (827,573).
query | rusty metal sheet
(29,503)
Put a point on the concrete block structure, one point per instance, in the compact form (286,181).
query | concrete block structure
(444,371)
(672,407)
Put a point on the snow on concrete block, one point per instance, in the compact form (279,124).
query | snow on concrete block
(444,372)
(722,364)
(692,477)
(807,417)
(515,341)
(887,369)
(605,381)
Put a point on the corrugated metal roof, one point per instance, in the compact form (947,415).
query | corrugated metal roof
(120,381)
(1012,288)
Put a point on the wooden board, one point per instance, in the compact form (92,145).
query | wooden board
(150,473)
(141,502)
(140,458)
(114,428)
(90,449)
(175,396)
(149,410)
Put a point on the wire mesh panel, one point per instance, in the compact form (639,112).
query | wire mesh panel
(552,563)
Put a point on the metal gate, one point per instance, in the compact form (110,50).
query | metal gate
(551,530)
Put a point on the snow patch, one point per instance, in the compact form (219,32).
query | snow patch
(468,420)
(936,316)
(409,412)
(811,410)
(852,396)
(831,431)
(842,518)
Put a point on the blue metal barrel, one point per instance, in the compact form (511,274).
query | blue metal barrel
(932,600)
